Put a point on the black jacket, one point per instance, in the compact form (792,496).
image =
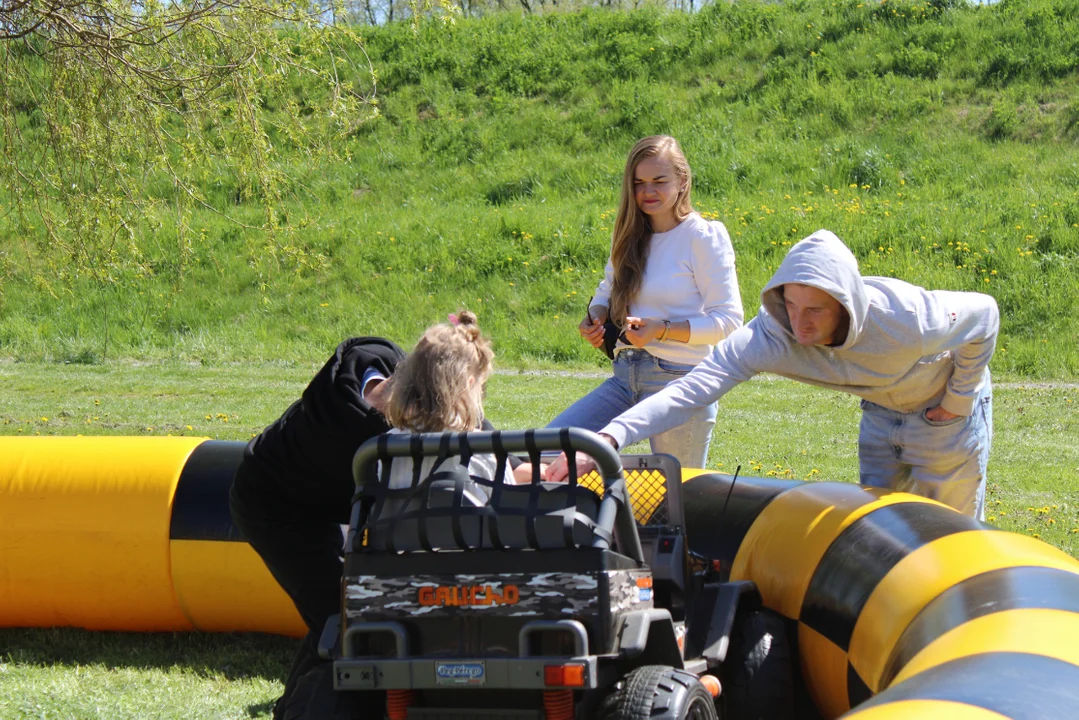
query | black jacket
(304,459)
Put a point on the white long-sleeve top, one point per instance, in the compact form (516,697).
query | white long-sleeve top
(689,275)
(907,348)
(479,465)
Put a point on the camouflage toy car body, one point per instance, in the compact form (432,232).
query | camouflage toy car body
(573,600)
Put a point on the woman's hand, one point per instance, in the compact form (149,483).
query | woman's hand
(641,331)
(591,328)
(377,393)
(522,474)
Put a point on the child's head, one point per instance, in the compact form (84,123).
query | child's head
(656,184)
(439,386)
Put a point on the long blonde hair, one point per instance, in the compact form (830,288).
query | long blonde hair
(633,229)
(439,386)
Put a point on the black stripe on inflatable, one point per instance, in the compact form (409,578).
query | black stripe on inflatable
(857,691)
(716,536)
(860,557)
(200,508)
(1020,686)
(1011,588)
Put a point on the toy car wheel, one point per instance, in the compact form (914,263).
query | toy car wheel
(659,692)
(757,676)
(314,698)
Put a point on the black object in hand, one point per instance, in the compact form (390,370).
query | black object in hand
(611,332)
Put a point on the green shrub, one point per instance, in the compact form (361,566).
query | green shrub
(1002,122)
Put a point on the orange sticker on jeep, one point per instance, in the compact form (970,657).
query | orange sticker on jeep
(458,595)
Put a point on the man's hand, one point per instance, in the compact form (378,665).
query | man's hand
(558,471)
(939,414)
(641,331)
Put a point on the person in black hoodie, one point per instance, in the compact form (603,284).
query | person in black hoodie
(293,490)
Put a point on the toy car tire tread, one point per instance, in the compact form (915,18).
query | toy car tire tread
(659,692)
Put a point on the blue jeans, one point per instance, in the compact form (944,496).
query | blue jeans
(638,375)
(944,461)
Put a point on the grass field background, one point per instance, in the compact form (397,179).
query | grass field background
(768,426)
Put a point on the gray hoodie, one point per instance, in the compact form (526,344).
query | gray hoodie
(907,348)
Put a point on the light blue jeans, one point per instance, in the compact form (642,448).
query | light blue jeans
(638,375)
(944,461)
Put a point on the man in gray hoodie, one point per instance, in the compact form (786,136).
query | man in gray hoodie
(919,359)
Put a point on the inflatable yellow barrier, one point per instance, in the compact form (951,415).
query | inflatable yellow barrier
(129,534)
(901,607)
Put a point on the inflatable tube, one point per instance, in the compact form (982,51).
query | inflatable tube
(129,534)
(894,594)
(901,606)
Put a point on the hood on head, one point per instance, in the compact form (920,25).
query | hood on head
(821,261)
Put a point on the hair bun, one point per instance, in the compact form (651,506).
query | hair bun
(467,317)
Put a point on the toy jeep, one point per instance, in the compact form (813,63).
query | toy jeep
(466,598)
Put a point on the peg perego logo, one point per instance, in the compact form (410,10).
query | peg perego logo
(458,595)
(459,673)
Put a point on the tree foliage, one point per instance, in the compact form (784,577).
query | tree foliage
(117,117)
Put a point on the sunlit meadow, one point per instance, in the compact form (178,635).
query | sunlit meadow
(940,142)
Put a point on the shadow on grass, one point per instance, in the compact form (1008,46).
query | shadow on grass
(218,655)
(261,710)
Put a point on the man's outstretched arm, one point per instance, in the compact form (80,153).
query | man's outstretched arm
(716,375)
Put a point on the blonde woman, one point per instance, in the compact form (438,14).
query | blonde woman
(670,286)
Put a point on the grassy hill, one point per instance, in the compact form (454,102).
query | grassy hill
(940,142)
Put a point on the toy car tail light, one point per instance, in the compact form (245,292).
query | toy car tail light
(563,675)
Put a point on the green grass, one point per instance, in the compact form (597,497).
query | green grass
(768,426)
(939,143)
(68,673)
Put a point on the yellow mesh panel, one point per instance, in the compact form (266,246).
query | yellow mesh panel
(647,491)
